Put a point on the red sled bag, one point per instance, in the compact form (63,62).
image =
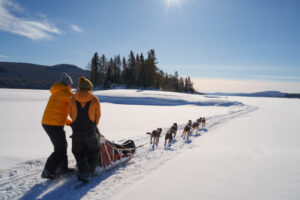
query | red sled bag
(112,155)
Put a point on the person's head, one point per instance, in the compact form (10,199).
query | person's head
(85,84)
(65,79)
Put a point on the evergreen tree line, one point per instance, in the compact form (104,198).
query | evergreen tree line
(135,72)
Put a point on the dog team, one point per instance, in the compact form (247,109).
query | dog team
(171,133)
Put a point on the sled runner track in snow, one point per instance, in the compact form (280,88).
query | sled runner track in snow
(19,177)
(101,171)
(27,183)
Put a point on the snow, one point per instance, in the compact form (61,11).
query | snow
(254,157)
(249,151)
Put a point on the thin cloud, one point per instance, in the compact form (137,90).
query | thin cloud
(33,29)
(76,28)
(3,57)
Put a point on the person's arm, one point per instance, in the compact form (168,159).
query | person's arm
(97,111)
(69,99)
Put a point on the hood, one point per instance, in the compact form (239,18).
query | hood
(56,87)
(83,95)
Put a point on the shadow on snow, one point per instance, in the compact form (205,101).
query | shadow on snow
(197,135)
(151,101)
(62,188)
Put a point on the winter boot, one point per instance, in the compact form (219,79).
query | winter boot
(66,170)
(84,176)
(95,173)
(47,174)
(63,169)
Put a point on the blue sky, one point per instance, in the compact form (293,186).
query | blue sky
(205,39)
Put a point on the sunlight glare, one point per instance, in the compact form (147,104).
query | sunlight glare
(171,3)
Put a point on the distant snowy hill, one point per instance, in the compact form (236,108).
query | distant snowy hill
(256,94)
(32,76)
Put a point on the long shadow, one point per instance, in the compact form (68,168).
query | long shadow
(151,101)
(62,189)
(197,135)
(202,129)
(173,141)
(37,190)
(188,141)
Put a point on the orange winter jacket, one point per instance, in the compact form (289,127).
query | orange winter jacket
(84,96)
(57,109)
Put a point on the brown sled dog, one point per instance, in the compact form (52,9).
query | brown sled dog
(174,129)
(202,122)
(169,137)
(187,130)
(155,135)
(190,123)
(195,126)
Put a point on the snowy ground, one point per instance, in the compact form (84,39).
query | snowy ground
(249,151)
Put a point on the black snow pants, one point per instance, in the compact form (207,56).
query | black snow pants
(59,157)
(85,143)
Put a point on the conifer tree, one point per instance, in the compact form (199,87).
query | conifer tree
(181,84)
(117,69)
(132,66)
(137,69)
(109,74)
(151,68)
(142,72)
(95,69)
(102,69)
(176,81)
(125,73)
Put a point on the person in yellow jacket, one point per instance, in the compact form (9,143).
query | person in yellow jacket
(53,122)
(85,113)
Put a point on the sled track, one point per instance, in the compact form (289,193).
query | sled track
(24,182)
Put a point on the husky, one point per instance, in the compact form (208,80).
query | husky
(190,123)
(188,128)
(195,126)
(202,122)
(154,136)
(186,132)
(174,129)
(169,138)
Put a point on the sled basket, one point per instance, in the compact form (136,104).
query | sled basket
(112,154)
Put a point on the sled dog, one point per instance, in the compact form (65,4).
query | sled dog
(154,136)
(174,129)
(195,126)
(186,132)
(169,137)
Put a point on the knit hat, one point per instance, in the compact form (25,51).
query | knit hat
(85,84)
(65,79)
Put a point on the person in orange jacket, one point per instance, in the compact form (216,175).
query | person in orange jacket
(53,122)
(85,113)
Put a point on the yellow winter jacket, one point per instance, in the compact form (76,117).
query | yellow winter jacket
(57,109)
(84,96)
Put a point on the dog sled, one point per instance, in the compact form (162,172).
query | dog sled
(112,155)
